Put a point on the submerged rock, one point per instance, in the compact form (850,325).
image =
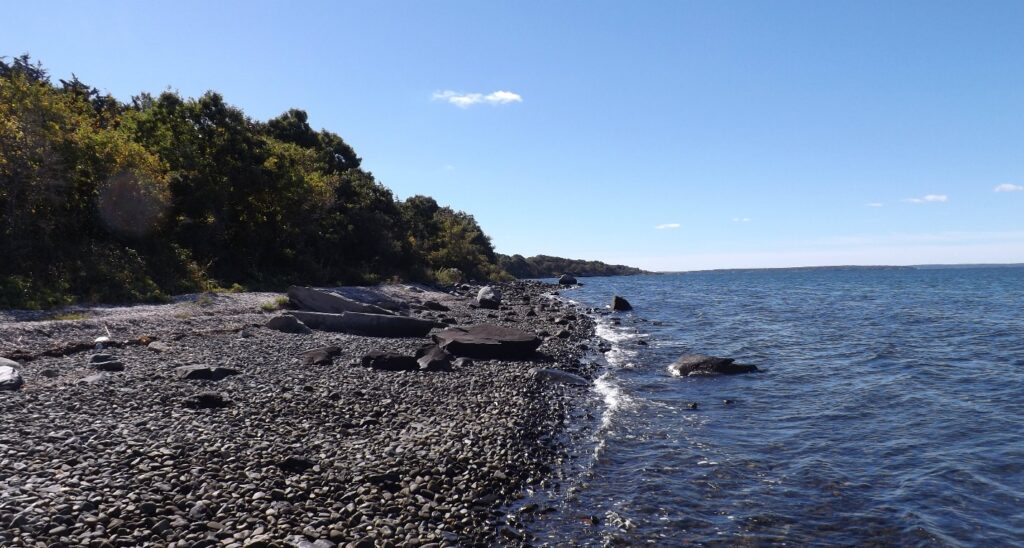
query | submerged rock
(620,304)
(488,297)
(488,341)
(700,364)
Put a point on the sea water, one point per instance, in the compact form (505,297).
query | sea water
(889,409)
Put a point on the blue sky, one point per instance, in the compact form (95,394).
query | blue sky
(668,135)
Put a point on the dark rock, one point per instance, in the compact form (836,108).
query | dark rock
(728,402)
(462,362)
(699,364)
(295,464)
(488,297)
(320,356)
(100,358)
(692,405)
(109,366)
(433,358)
(10,379)
(641,342)
(318,300)
(204,373)
(371,325)
(488,342)
(207,400)
(288,324)
(436,306)
(566,279)
(618,303)
(390,361)
(563,334)
(558,376)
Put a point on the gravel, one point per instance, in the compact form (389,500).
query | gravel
(284,452)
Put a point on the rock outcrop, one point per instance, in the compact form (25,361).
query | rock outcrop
(620,304)
(700,364)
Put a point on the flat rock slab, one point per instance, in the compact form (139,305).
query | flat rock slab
(700,364)
(319,300)
(488,341)
(204,373)
(371,325)
(10,379)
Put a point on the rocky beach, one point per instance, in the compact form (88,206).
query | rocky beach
(194,424)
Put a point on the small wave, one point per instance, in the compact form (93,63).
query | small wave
(613,398)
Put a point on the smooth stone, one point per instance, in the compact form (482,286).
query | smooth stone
(10,378)
(288,324)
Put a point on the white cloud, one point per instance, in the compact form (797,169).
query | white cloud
(875,204)
(667,225)
(1007,187)
(741,219)
(929,198)
(466,100)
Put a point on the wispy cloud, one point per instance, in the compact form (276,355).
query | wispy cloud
(741,219)
(667,226)
(929,199)
(466,100)
(1007,187)
(875,204)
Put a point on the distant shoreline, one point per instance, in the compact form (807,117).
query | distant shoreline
(849,267)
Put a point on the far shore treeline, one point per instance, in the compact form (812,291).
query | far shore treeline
(104,201)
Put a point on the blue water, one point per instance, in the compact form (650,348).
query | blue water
(889,410)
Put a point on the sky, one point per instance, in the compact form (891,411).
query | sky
(668,135)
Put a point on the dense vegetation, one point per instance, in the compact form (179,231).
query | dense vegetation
(108,201)
(544,266)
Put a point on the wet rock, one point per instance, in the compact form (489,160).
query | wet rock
(488,341)
(204,373)
(288,324)
(567,279)
(10,378)
(700,364)
(320,356)
(620,304)
(207,400)
(488,297)
(390,361)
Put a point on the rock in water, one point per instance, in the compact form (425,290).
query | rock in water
(10,379)
(699,364)
(390,361)
(288,324)
(433,358)
(488,342)
(566,279)
(488,297)
(546,374)
(203,373)
(320,356)
(371,325)
(207,400)
(316,300)
(618,303)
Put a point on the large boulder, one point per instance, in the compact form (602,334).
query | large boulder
(488,297)
(567,279)
(319,300)
(372,325)
(699,364)
(488,342)
(288,324)
(10,379)
(620,304)
(204,373)
(390,361)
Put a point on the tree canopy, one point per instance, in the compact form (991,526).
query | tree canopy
(109,201)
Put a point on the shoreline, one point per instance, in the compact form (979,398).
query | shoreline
(318,455)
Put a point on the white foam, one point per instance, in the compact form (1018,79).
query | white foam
(612,395)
